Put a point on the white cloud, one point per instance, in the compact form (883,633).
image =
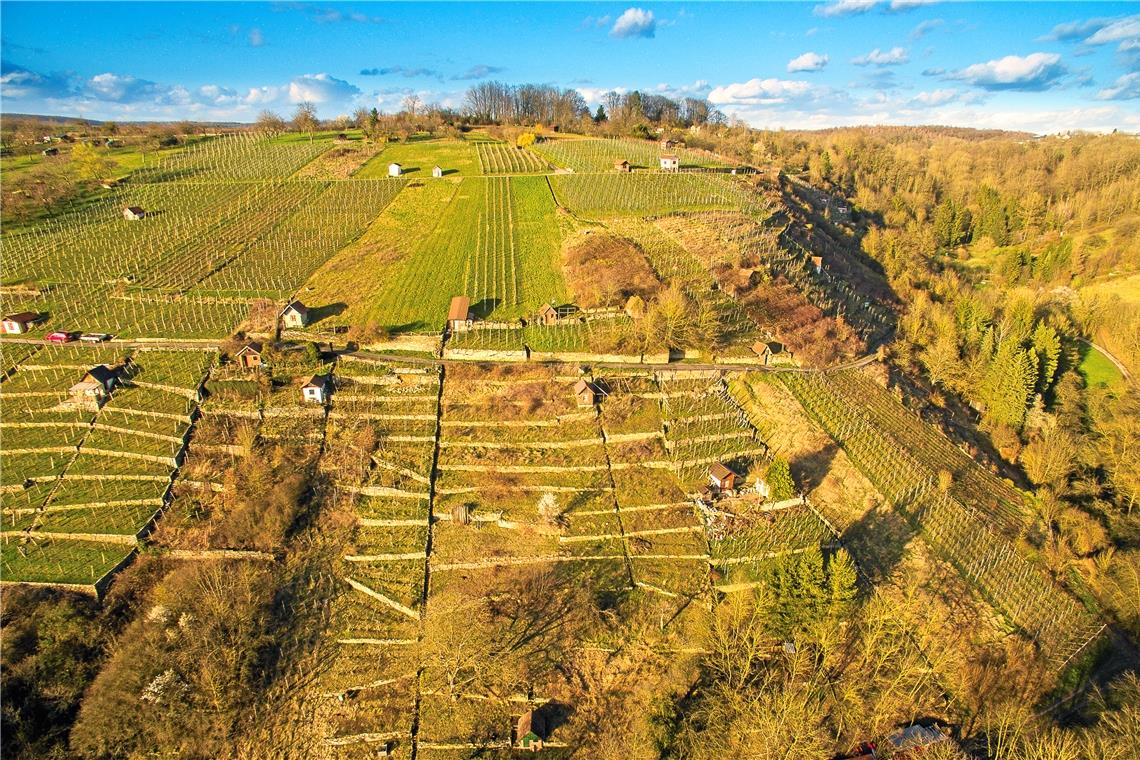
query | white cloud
(925,27)
(594,95)
(845,7)
(906,5)
(1122,30)
(876,57)
(760,92)
(1126,87)
(320,88)
(634,22)
(807,62)
(256,38)
(935,97)
(1036,71)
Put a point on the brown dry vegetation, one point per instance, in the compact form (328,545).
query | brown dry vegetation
(340,162)
(812,337)
(603,270)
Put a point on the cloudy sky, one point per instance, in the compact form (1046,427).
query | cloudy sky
(1042,67)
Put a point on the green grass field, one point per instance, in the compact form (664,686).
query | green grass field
(1097,370)
(418,157)
(496,240)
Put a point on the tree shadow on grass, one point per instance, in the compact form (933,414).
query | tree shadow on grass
(482,309)
(317,313)
(809,471)
(878,541)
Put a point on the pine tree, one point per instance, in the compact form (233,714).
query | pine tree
(1047,347)
(1008,383)
(841,578)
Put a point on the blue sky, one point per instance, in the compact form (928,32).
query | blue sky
(1044,67)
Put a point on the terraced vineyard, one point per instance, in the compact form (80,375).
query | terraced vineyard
(82,481)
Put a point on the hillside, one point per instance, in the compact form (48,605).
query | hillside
(446,443)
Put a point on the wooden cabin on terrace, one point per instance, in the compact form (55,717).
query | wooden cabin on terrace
(459,314)
(586,393)
(622,166)
(295,314)
(249,356)
(721,478)
(96,385)
(316,390)
(547,314)
(15,324)
(768,350)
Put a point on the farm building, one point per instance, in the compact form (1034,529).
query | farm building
(459,314)
(668,144)
(767,350)
(817,263)
(586,393)
(51,151)
(529,731)
(722,478)
(249,356)
(295,314)
(316,390)
(134,213)
(622,166)
(395,170)
(547,314)
(437,171)
(14,324)
(670,163)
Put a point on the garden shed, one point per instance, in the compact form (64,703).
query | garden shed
(103,375)
(316,390)
(547,314)
(249,355)
(459,314)
(14,324)
(767,350)
(721,477)
(437,171)
(395,170)
(295,314)
(622,166)
(586,393)
(134,213)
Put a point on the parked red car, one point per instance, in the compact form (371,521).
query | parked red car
(59,336)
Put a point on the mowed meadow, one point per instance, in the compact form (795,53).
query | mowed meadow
(232,220)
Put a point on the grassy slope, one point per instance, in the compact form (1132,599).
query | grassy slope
(1097,369)
(455,157)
